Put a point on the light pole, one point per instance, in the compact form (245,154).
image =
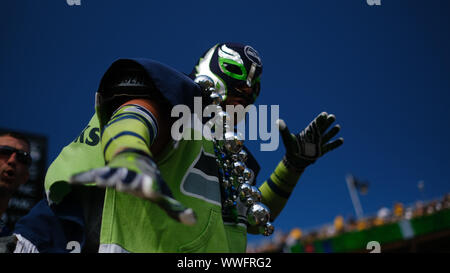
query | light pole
(354,196)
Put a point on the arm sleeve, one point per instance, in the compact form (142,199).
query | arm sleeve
(277,189)
(132,127)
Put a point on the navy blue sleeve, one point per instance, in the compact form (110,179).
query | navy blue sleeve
(51,228)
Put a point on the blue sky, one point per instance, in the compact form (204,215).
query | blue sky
(382,70)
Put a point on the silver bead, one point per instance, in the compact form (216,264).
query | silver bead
(240,180)
(267,229)
(206,84)
(235,157)
(221,125)
(223,116)
(243,156)
(216,98)
(258,214)
(247,174)
(256,194)
(238,168)
(245,191)
(233,142)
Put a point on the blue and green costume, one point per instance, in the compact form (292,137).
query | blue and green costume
(131,224)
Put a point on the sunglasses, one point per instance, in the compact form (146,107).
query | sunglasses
(22,156)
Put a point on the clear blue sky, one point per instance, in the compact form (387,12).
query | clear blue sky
(382,70)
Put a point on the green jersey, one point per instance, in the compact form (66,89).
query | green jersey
(131,224)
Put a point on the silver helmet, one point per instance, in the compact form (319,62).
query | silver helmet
(233,67)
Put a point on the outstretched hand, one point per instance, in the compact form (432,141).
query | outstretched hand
(306,147)
(137,174)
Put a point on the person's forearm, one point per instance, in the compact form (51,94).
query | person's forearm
(131,127)
(278,187)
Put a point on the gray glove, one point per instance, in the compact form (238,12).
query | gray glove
(313,142)
(136,173)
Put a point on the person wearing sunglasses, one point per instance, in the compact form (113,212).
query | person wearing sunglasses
(15,161)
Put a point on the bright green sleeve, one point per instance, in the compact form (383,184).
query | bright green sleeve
(130,127)
(278,187)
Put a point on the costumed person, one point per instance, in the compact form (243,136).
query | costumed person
(125,185)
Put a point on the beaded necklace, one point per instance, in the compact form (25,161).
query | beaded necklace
(236,180)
